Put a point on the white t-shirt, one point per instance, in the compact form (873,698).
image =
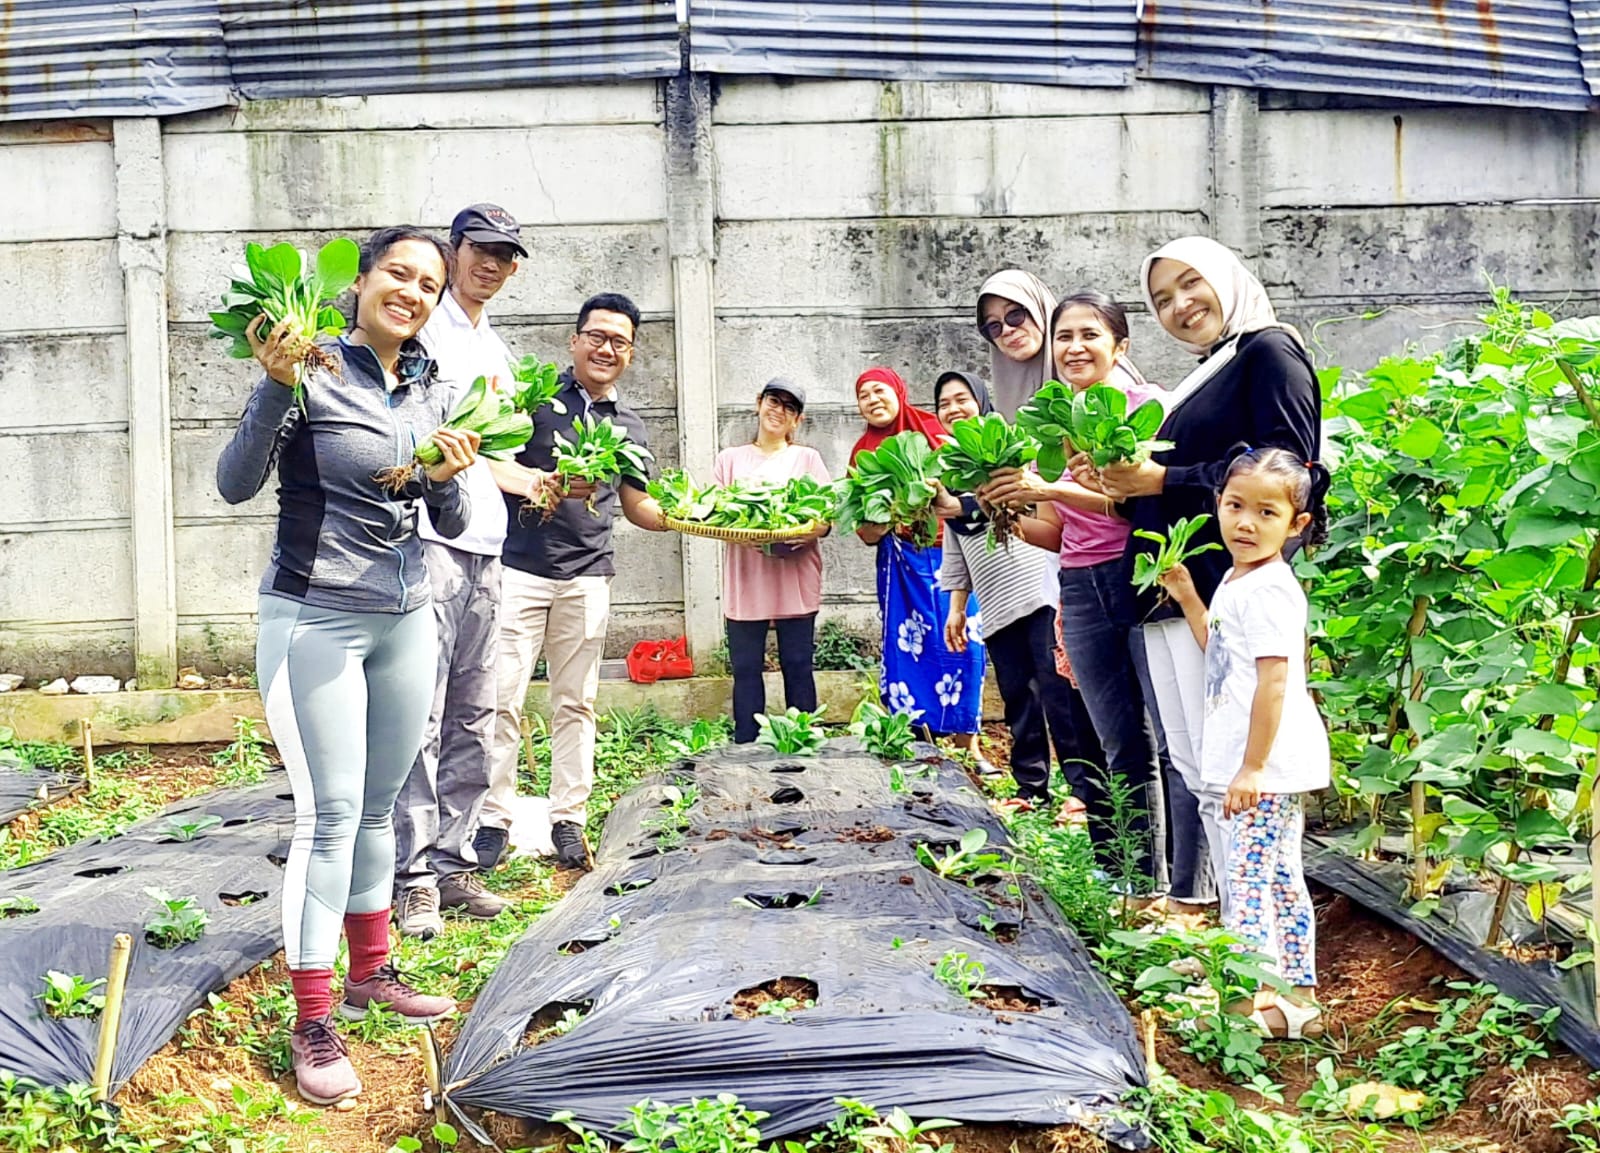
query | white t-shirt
(464,352)
(1261,614)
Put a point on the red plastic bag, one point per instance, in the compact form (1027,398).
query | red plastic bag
(651,661)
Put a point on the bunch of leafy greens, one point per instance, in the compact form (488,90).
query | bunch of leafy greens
(1095,421)
(793,731)
(600,453)
(276,282)
(884,734)
(1173,551)
(798,502)
(501,428)
(893,484)
(980,446)
(539,385)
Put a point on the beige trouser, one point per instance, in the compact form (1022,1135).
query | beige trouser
(566,620)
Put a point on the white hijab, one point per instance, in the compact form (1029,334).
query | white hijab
(1245,307)
(1013,382)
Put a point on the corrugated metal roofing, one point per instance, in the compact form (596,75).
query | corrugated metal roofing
(76,58)
(1586,22)
(1512,52)
(1086,42)
(280,49)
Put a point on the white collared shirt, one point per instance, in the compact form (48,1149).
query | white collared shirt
(464,352)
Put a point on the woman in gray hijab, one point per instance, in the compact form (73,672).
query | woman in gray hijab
(1014,309)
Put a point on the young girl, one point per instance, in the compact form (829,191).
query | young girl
(1263,744)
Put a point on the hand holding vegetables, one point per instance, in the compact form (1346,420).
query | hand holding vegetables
(1095,421)
(981,446)
(1148,570)
(496,428)
(281,351)
(457,450)
(892,485)
(600,453)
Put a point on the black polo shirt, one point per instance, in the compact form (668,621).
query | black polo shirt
(574,542)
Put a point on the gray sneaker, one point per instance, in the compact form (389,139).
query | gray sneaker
(418,913)
(465,891)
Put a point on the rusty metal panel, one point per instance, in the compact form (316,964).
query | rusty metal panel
(285,48)
(1511,52)
(71,58)
(1586,21)
(1088,42)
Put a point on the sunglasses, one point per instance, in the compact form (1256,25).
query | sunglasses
(1016,318)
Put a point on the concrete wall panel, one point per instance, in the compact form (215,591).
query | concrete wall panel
(634,102)
(761,100)
(963,168)
(930,262)
(68,476)
(65,576)
(272,181)
(68,286)
(58,192)
(54,381)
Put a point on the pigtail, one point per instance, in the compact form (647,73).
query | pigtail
(1321,480)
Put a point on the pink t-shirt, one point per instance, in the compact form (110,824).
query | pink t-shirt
(757,587)
(1091,538)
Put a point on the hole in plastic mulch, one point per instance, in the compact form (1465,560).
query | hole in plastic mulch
(235,822)
(798,991)
(788,767)
(787,795)
(782,900)
(776,859)
(580,945)
(624,887)
(244,897)
(102,871)
(553,1019)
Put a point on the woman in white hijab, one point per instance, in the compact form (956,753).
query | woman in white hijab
(1014,309)
(1254,388)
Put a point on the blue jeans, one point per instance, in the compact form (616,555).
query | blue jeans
(1106,648)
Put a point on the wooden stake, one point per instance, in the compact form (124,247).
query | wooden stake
(1419,846)
(433,1073)
(88,752)
(1502,898)
(1147,1026)
(111,1015)
(527,743)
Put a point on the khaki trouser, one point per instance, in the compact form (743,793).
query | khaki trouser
(566,621)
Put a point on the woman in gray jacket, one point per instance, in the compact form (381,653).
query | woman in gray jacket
(345,652)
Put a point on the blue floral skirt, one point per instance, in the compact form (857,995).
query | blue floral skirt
(921,677)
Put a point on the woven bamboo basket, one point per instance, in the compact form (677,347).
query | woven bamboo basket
(741,535)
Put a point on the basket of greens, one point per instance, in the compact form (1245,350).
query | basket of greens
(744,513)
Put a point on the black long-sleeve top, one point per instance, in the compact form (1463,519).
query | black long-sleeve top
(1265,397)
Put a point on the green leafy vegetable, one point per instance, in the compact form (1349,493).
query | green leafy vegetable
(1173,551)
(540,383)
(979,446)
(800,501)
(792,731)
(600,453)
(1095,421)
(276,281)
(501,428)
(893,484)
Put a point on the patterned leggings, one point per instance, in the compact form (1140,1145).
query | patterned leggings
(1268,902)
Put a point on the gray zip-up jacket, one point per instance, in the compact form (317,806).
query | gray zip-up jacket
(344,542)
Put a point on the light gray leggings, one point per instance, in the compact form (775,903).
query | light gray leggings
(347,697)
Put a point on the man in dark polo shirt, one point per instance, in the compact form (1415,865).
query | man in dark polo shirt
(556,583)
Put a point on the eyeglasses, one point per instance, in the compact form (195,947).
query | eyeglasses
(621,345)
(1016,318)
(788,403)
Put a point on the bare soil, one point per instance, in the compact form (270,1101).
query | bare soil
(747,1002)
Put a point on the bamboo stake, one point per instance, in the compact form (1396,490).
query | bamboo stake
(1147,1027)
(111,1015)
(1502,898)
(432,1073)
(88,752)
(527,743)
(1419,846)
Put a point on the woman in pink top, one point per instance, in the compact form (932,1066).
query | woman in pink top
(1089,341)
(780,586)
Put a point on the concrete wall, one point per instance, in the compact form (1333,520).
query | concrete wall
(808,228)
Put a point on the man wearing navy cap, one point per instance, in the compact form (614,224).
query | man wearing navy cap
(437,814)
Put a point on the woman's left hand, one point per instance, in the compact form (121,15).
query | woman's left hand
(1123,481)
(459,449)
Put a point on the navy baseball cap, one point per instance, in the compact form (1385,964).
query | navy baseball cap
(787,387)
(488,224)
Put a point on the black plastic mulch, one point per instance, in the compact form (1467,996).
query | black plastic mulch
(802,868)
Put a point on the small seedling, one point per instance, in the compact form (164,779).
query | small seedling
(245,761)
(888,736)
(668,828)
(177,921)
(586,1140)
(960,974)
(187,829)
(967,860)
(793,732)
(783,1007)
(899,1131)
(1172,552)
(69,995)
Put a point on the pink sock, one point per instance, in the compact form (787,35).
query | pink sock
(313,993)
(368,935)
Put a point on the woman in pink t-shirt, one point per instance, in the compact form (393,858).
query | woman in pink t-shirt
(1089,342)
(778,587)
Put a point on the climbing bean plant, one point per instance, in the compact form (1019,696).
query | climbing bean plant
(1455,601)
